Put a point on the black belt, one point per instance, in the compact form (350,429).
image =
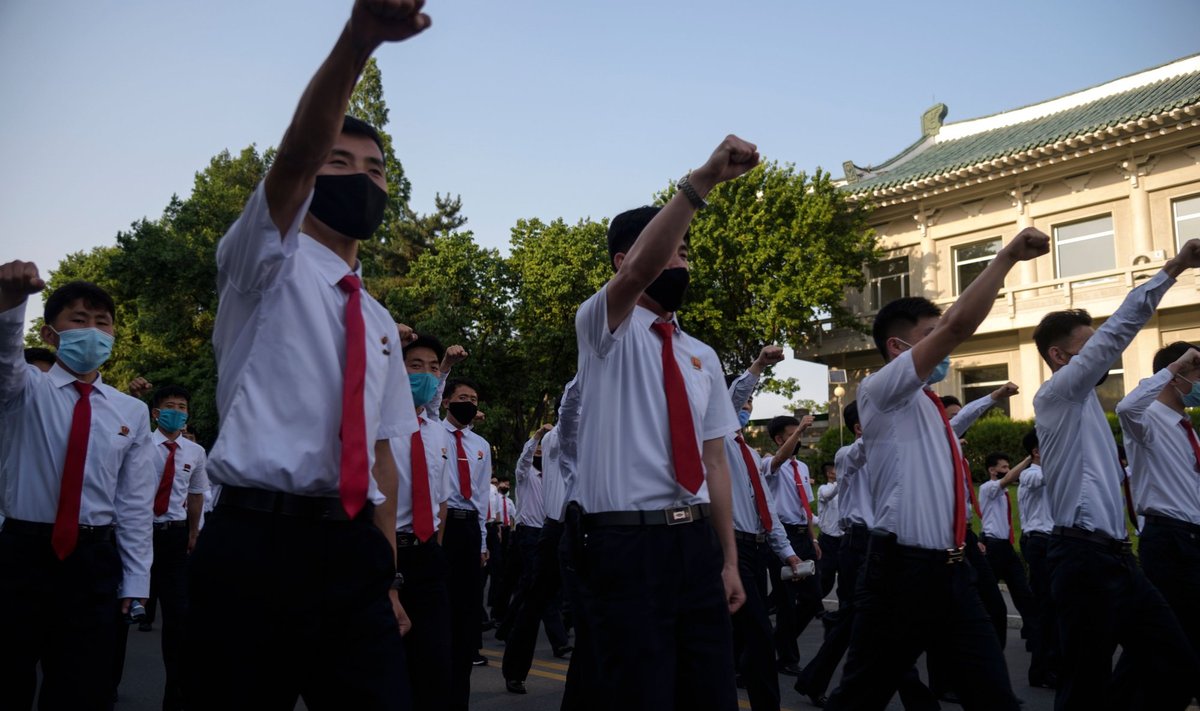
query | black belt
(462,514)
(1035,534)
(655,517)
(949,556)
(749,537)
(796,527)
(1171,522)
(164,525)
(1097,538)
(317,508)
(404,539)
(36,529)
(987,538)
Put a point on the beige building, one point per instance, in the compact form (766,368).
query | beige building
(1111,173)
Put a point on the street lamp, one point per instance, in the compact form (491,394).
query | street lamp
(839,392)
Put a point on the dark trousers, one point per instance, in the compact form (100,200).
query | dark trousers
(581,672)
(796,604)
(537,603)
(827,567)
(496,585)
(654,605)
(461,544)
(1007,566)
(281,607)
(61,614)
(815,677)
(168,581)
(1043,644)
(525,549)
(1102,600)
(427,644)
(906,605)
(752,628)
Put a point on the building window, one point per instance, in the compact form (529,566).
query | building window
(978,382)
(1187,219)
(1084,247)
(971,259)
(1112,389)
(888,281)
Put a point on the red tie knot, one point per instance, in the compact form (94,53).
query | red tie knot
(84,389)
(738,439)
(171,445)
(350,284)
(664,329)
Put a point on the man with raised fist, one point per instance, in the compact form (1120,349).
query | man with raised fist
(650,526)
(76,492)
(311,388)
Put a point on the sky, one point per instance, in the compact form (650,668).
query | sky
(535,108)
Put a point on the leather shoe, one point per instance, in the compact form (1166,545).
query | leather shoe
(789,669)
(514,686)
(563,651)
(818,700)
(1049,680)
(479,660)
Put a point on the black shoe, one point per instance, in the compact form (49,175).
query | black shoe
(739,682)
(501,634)
(489,625)
(1049,680)
(514,686)
(144,626)
(479,660)
(789,669)
(801,687)
(563,651)
(950,697)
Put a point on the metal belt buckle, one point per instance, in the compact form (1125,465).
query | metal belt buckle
(681,514)
(954,555)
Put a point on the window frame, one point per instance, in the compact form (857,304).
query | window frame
(1111,233)
(958,287)
(1176,219)
(874,281)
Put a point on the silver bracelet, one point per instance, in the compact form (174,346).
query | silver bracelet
(685,187)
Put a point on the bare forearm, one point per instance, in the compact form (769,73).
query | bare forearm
(721,506)
(195,509)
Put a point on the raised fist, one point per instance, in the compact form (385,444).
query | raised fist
(17,281)
(770,355)
(1029,243)
(407,335)
(1189,361)
(806,422)
(139,387)
(731,159)
(1005,391)
(454,355)
(373,22)
(1189,253)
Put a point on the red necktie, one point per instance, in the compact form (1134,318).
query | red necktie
(1008,507)
(162,499)
(504,506)
(352,484)
(684,453)
(802,490)
(464,471)
(422,516)
(1186,424)
(971,490)
(66,521)
(760,498)
(960,474)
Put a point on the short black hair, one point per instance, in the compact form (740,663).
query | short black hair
(826,466)
(948,400)
(900,314)
(1170,353)
(456,383)
(39,355)
(780,423)
(850,415)
(1029,442)
(1056,326)
(624,229)
(93,297)
(995,457)
(430,342)
(170,391)
(354,126)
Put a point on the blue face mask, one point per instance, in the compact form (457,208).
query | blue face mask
(939,372)
(171,420)
(84,349)
(743,417)
(1192,397)
(424,387)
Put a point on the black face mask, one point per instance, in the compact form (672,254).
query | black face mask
(668,289)
(537,462)
(351,204)
(464,412)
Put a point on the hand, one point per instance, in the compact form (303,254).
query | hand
(479,416)
(402,620)
(982,548)
(139,387)
(816,550)
(454,355)
(1189,254)
(1005,391)
(407,335)
(192,542)
(1187,362)
(731,159)
(794,563)
(543,430)
(735,594)
(806,422)
(373,22)
(483,558)
(769,355)
(17,281)
(1029,243)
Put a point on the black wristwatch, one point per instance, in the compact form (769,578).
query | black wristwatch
(398,583)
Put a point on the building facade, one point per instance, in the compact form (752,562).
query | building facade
(1111,173)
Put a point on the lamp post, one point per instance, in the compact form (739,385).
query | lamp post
(839,392)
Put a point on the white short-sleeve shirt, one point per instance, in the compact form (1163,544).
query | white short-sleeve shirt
(190,477)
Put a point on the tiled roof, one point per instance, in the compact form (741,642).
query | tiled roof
(945,156)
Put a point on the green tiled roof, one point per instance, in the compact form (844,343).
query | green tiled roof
(963,152)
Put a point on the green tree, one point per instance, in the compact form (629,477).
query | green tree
(774,251)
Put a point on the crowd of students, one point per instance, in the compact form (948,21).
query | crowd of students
(359,523)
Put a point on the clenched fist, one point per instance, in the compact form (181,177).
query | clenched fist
(1029,243)
(730,160)
(17,281)
(373,22)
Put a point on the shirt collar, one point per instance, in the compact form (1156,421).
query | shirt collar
(61,378)
(645,318)
(159,437)
(330,266)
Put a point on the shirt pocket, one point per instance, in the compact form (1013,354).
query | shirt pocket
(108,449)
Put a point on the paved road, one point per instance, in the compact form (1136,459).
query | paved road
(142,684)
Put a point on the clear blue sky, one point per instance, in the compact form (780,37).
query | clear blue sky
(570,108)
